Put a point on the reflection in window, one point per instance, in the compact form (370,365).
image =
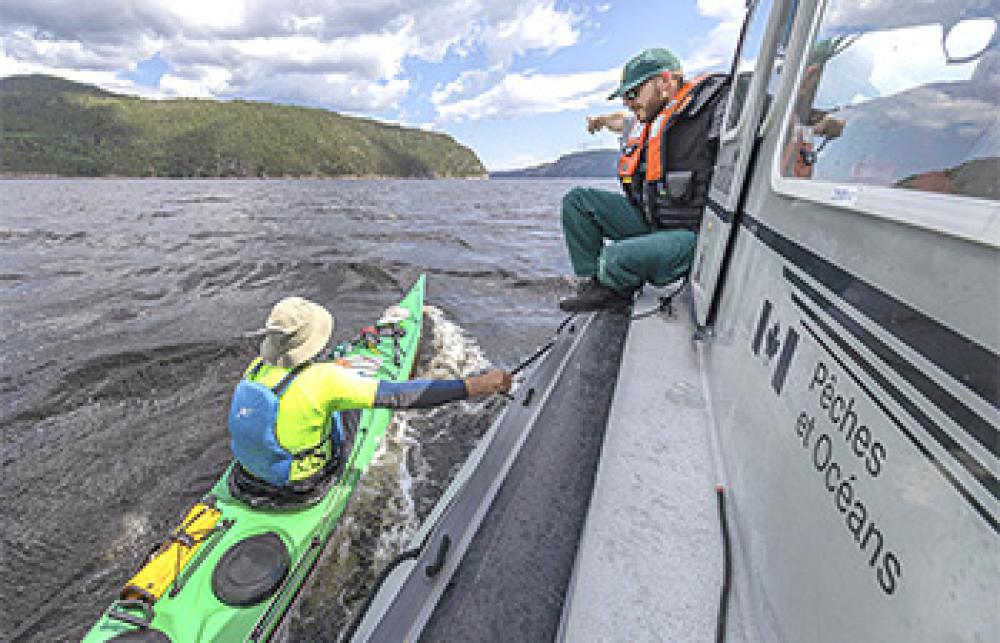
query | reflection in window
(780,52)
(748,53)
(885,100)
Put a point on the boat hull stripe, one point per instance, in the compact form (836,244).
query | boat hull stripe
(985,513)
(974,366)
(979,429)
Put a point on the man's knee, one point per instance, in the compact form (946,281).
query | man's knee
(620,257)
(573,203)
(656,258)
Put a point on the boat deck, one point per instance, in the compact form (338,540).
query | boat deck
(649,565)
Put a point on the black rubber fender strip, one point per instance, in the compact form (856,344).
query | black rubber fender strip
(409,554)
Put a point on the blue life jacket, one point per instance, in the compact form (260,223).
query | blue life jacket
(253,420)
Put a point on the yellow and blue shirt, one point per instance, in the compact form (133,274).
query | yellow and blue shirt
(318,391)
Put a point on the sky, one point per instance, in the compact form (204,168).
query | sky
(513,80)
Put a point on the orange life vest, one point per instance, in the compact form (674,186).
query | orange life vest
(672,197)
(628,163)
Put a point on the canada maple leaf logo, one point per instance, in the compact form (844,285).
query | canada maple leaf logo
(767,341)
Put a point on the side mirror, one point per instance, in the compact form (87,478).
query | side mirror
(967,40)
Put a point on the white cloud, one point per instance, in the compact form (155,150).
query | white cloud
(65,54)
(367,56)
(338,53)
(724,10)
(341,89)
(468,83)
(888,62)
(526,94)
(715,49)
(200,81)
(490,91)
(10,66)
(523,94)
(208,13)
(536,26)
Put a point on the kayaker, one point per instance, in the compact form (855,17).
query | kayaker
(293,443)
(665,170)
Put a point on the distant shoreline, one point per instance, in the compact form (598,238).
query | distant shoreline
(584,164)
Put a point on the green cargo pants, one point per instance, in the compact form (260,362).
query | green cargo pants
(637,254)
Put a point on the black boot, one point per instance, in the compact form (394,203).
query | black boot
(593,295)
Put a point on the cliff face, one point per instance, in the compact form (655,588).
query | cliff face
(588,164)
(55,126)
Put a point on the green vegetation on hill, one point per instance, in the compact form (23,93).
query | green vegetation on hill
(54,126)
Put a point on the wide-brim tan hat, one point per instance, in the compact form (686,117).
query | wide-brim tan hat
(296,331)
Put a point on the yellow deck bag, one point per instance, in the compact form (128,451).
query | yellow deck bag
(167,560)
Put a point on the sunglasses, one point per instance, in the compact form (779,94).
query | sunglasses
(633,93)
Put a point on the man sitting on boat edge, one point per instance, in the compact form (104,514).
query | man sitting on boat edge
(281,412)
(665,170)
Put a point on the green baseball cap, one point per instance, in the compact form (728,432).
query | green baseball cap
(646,65)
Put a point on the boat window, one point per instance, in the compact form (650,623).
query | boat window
(901,94)
(747,59)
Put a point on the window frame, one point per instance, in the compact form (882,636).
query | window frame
(966,217)
(730,134)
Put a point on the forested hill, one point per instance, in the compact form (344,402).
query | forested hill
(54,126)
(589,164)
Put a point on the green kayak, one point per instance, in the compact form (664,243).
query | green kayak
(237,561)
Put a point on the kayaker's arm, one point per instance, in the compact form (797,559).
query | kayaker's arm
(423,394)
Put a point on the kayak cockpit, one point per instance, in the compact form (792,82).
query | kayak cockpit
(257,493)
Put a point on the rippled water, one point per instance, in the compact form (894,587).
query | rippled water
(124,307)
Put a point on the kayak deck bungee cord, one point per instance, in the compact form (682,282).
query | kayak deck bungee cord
(238,559)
